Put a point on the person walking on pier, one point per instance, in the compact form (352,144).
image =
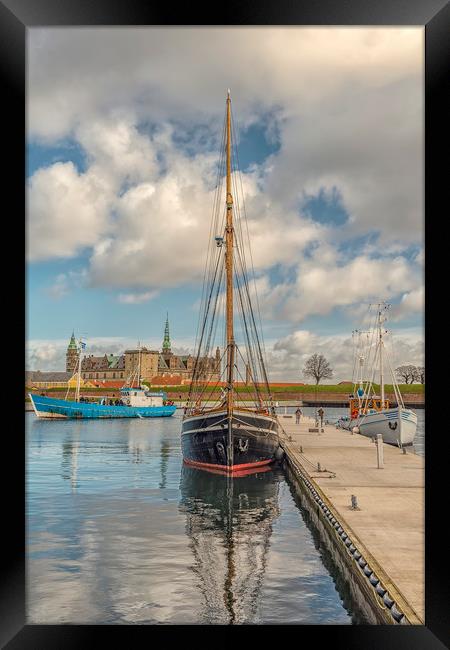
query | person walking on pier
(321,413)
(298,413)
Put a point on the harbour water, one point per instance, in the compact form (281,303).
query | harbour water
(119,531)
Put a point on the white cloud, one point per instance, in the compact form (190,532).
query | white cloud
(65,283)
(346,104)
(137,298)
(410,303)
(67,211)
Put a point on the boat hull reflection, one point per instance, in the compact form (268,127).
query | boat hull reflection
(229,522)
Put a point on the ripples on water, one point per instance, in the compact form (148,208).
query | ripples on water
(120,531)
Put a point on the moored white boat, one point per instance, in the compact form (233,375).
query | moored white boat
(397,425)
(371,414)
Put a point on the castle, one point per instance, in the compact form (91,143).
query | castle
(161,368)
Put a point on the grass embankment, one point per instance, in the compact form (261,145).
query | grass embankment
(308,388)
(275,388)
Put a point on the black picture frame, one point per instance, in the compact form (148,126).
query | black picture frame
(15,17)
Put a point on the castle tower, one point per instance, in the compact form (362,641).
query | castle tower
(71,355)
(166,346)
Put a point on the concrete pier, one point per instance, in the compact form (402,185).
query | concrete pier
(379,511)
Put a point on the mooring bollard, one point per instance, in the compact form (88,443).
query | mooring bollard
(354,503)
(318,467)
(380,451)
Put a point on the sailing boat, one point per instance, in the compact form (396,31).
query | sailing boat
(238,429)
(134,402)
(371,414)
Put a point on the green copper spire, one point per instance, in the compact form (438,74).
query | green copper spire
(73,343)
(166,343)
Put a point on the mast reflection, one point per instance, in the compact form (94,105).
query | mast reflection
(229,522)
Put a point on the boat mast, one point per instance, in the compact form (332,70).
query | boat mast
(380,343)
(229,294)
(229,267)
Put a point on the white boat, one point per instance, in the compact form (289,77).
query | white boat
(372,414)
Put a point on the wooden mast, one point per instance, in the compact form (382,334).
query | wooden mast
(229,293)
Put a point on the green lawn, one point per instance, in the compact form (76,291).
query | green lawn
(295,388)
(310,388)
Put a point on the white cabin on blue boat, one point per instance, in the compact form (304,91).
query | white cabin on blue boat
(142,397)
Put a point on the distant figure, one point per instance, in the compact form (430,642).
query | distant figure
(298,413)
(180,398)
(276,405)
(321,413)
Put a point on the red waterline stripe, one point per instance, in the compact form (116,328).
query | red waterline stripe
(228,468)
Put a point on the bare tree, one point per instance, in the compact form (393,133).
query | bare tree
(318,367)
(420,374)
(408,373)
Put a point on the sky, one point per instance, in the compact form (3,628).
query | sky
(123,135)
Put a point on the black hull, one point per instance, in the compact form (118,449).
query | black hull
(205,441)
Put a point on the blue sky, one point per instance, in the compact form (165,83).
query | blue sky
(123,138)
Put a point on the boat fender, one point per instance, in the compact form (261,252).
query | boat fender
(337,525)
(373,580)
(367,570)
(220,448)
(362,562)
(348,542)
(352,549)
(344,535)
(320,502)
(387,600)
(355,430)
(333,520)
(380,590)
(279,453)
(357,555)
(396,613)
(340,530)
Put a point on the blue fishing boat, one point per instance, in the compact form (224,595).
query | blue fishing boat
(134,402)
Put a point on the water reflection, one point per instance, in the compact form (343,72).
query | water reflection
(69,462)
(229,524)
